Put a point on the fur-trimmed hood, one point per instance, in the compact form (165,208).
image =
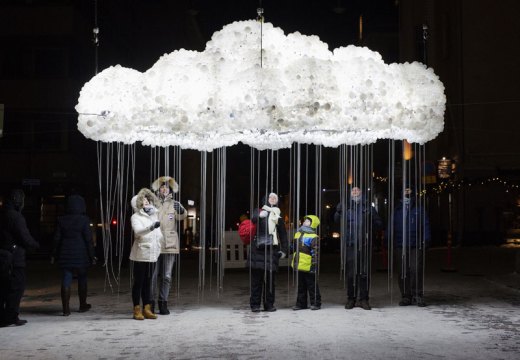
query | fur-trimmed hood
(137,200)
(156,185)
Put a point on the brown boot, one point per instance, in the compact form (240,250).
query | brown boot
(147,312)
(65,298)
(138,315)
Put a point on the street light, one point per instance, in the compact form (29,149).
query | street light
(444,172)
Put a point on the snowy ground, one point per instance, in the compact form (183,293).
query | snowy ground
(472,314)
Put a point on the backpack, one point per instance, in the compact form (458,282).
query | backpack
(246,231)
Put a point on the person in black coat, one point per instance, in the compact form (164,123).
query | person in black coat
(267,248)
(411,239)
(74,251)
(360,221)
(16,239)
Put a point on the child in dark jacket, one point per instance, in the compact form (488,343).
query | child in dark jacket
(305,260)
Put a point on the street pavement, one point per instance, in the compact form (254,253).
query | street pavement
(472,313)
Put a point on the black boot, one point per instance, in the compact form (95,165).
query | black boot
(82,292)
(364,304)
(65,299)
(420,301)
(405,301)
(163,308)
(350,304)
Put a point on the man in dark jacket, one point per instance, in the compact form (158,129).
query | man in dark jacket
(358,224)
(16,239)
(74,251)
(268,246)
(411,238)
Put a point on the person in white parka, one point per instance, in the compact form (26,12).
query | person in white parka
(145,250)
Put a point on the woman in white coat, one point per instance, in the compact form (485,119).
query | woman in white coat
(145,250)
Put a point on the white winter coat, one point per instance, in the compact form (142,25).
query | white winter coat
(147,243)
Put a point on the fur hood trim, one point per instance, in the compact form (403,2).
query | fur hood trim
(137,201)
(165,179)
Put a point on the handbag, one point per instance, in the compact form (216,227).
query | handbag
(263,241)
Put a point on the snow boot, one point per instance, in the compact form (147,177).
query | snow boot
(420,301)
(147,312)
(138,315)
(350,304)
(405,301)
(365,305)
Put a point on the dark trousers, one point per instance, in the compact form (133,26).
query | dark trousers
(307,284)
(68,274)
(143,272)
(12,288)
(262,287)
(410,267)
(358,268)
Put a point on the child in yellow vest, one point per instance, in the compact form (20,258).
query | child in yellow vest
(305,260)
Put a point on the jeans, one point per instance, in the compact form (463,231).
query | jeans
(162,277)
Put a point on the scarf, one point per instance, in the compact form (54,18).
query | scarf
(306,229)
(149,209)
(272,221)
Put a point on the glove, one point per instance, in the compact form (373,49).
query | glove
(263,214)
(94,260)
(282,254)
(178,207)
(155,225)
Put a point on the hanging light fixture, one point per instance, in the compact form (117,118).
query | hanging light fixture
(296,91)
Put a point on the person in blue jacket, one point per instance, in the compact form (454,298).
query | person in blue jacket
(306,260)
(411,238)
(360,221)
(74,251)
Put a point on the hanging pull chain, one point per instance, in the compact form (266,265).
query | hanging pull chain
(260,18)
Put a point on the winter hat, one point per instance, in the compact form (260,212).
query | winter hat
(274,196)
(315,221)
(165,180)
(76,205)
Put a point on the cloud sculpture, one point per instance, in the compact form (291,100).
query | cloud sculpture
(298,92)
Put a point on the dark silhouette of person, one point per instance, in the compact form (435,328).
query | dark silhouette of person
(16,239)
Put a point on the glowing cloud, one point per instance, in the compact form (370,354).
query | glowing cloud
(299,92)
